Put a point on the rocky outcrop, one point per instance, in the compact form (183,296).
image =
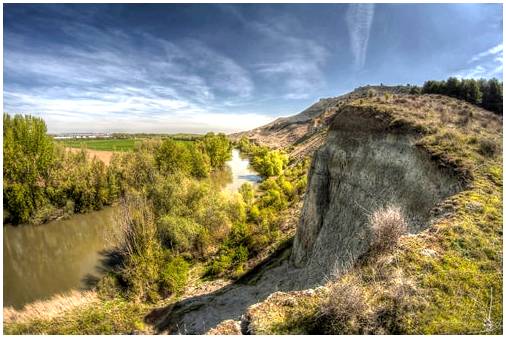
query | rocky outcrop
(366,164)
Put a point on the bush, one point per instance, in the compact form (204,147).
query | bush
(108,287)
(180,233)
(140,250)
(344,311)
(388,225)
(44,213)
(174,276)
(488,147)
(247,193)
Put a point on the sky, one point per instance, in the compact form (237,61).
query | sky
(194,68)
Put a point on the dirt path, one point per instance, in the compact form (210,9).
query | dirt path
(199,314)
(102,155)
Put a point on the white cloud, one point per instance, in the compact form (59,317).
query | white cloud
(109,82)
(359,20)
(299,63)
(492,51)
(486,64)
(128,110)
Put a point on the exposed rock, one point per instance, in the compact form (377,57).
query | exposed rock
(475,206)
(364,165)
(278,308)
(428,252)
(227,327)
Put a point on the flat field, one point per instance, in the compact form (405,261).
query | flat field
(102,144)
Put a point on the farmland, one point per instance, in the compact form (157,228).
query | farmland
(111,144)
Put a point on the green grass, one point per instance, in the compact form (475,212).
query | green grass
(118,144)
(102,144)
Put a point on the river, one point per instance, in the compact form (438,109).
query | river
(40,261)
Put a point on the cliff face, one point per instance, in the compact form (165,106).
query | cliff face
(364,165)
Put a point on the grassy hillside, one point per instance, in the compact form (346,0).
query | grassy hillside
(445,280)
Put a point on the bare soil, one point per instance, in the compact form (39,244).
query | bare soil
(102,155)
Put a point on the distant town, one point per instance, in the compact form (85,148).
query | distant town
(81,135)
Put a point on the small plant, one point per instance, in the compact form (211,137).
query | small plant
(344,311)
(388,225)
(487,148)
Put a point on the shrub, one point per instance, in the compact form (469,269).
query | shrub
(108,287)
(488,147)
(388,225)
(140,250)
(180,233)
(344,310)
(247,193)
(44,213)
(174,276)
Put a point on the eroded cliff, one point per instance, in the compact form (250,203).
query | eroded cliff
(365,165)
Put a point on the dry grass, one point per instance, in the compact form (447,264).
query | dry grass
(345,310)
(388,225)
(102,155)
(51,308)
(488,148)
(227,327)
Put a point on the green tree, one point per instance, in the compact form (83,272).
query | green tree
(28,159)
(493,100)
(472,91)
(247,193)
(218,148)
(173,156)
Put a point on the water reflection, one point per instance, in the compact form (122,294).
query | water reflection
(40,261)
(240,172)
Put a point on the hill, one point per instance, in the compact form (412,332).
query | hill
(427,164)
(303,133)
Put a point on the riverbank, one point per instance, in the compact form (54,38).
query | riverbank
(200,283)
(73,248)
(93,313)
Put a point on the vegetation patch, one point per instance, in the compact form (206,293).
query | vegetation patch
(107,317)
(264,210)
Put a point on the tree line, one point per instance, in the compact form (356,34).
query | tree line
(484,93)
(42,181)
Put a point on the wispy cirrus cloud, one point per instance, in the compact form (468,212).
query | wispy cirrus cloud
(486,64)
(491,51)
(111,76)
(359,19)
(300,61)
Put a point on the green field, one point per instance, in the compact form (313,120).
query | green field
(102,144)
(118,144)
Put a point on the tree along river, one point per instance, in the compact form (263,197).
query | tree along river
(40,261)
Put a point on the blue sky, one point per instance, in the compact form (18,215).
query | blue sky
(197,68)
